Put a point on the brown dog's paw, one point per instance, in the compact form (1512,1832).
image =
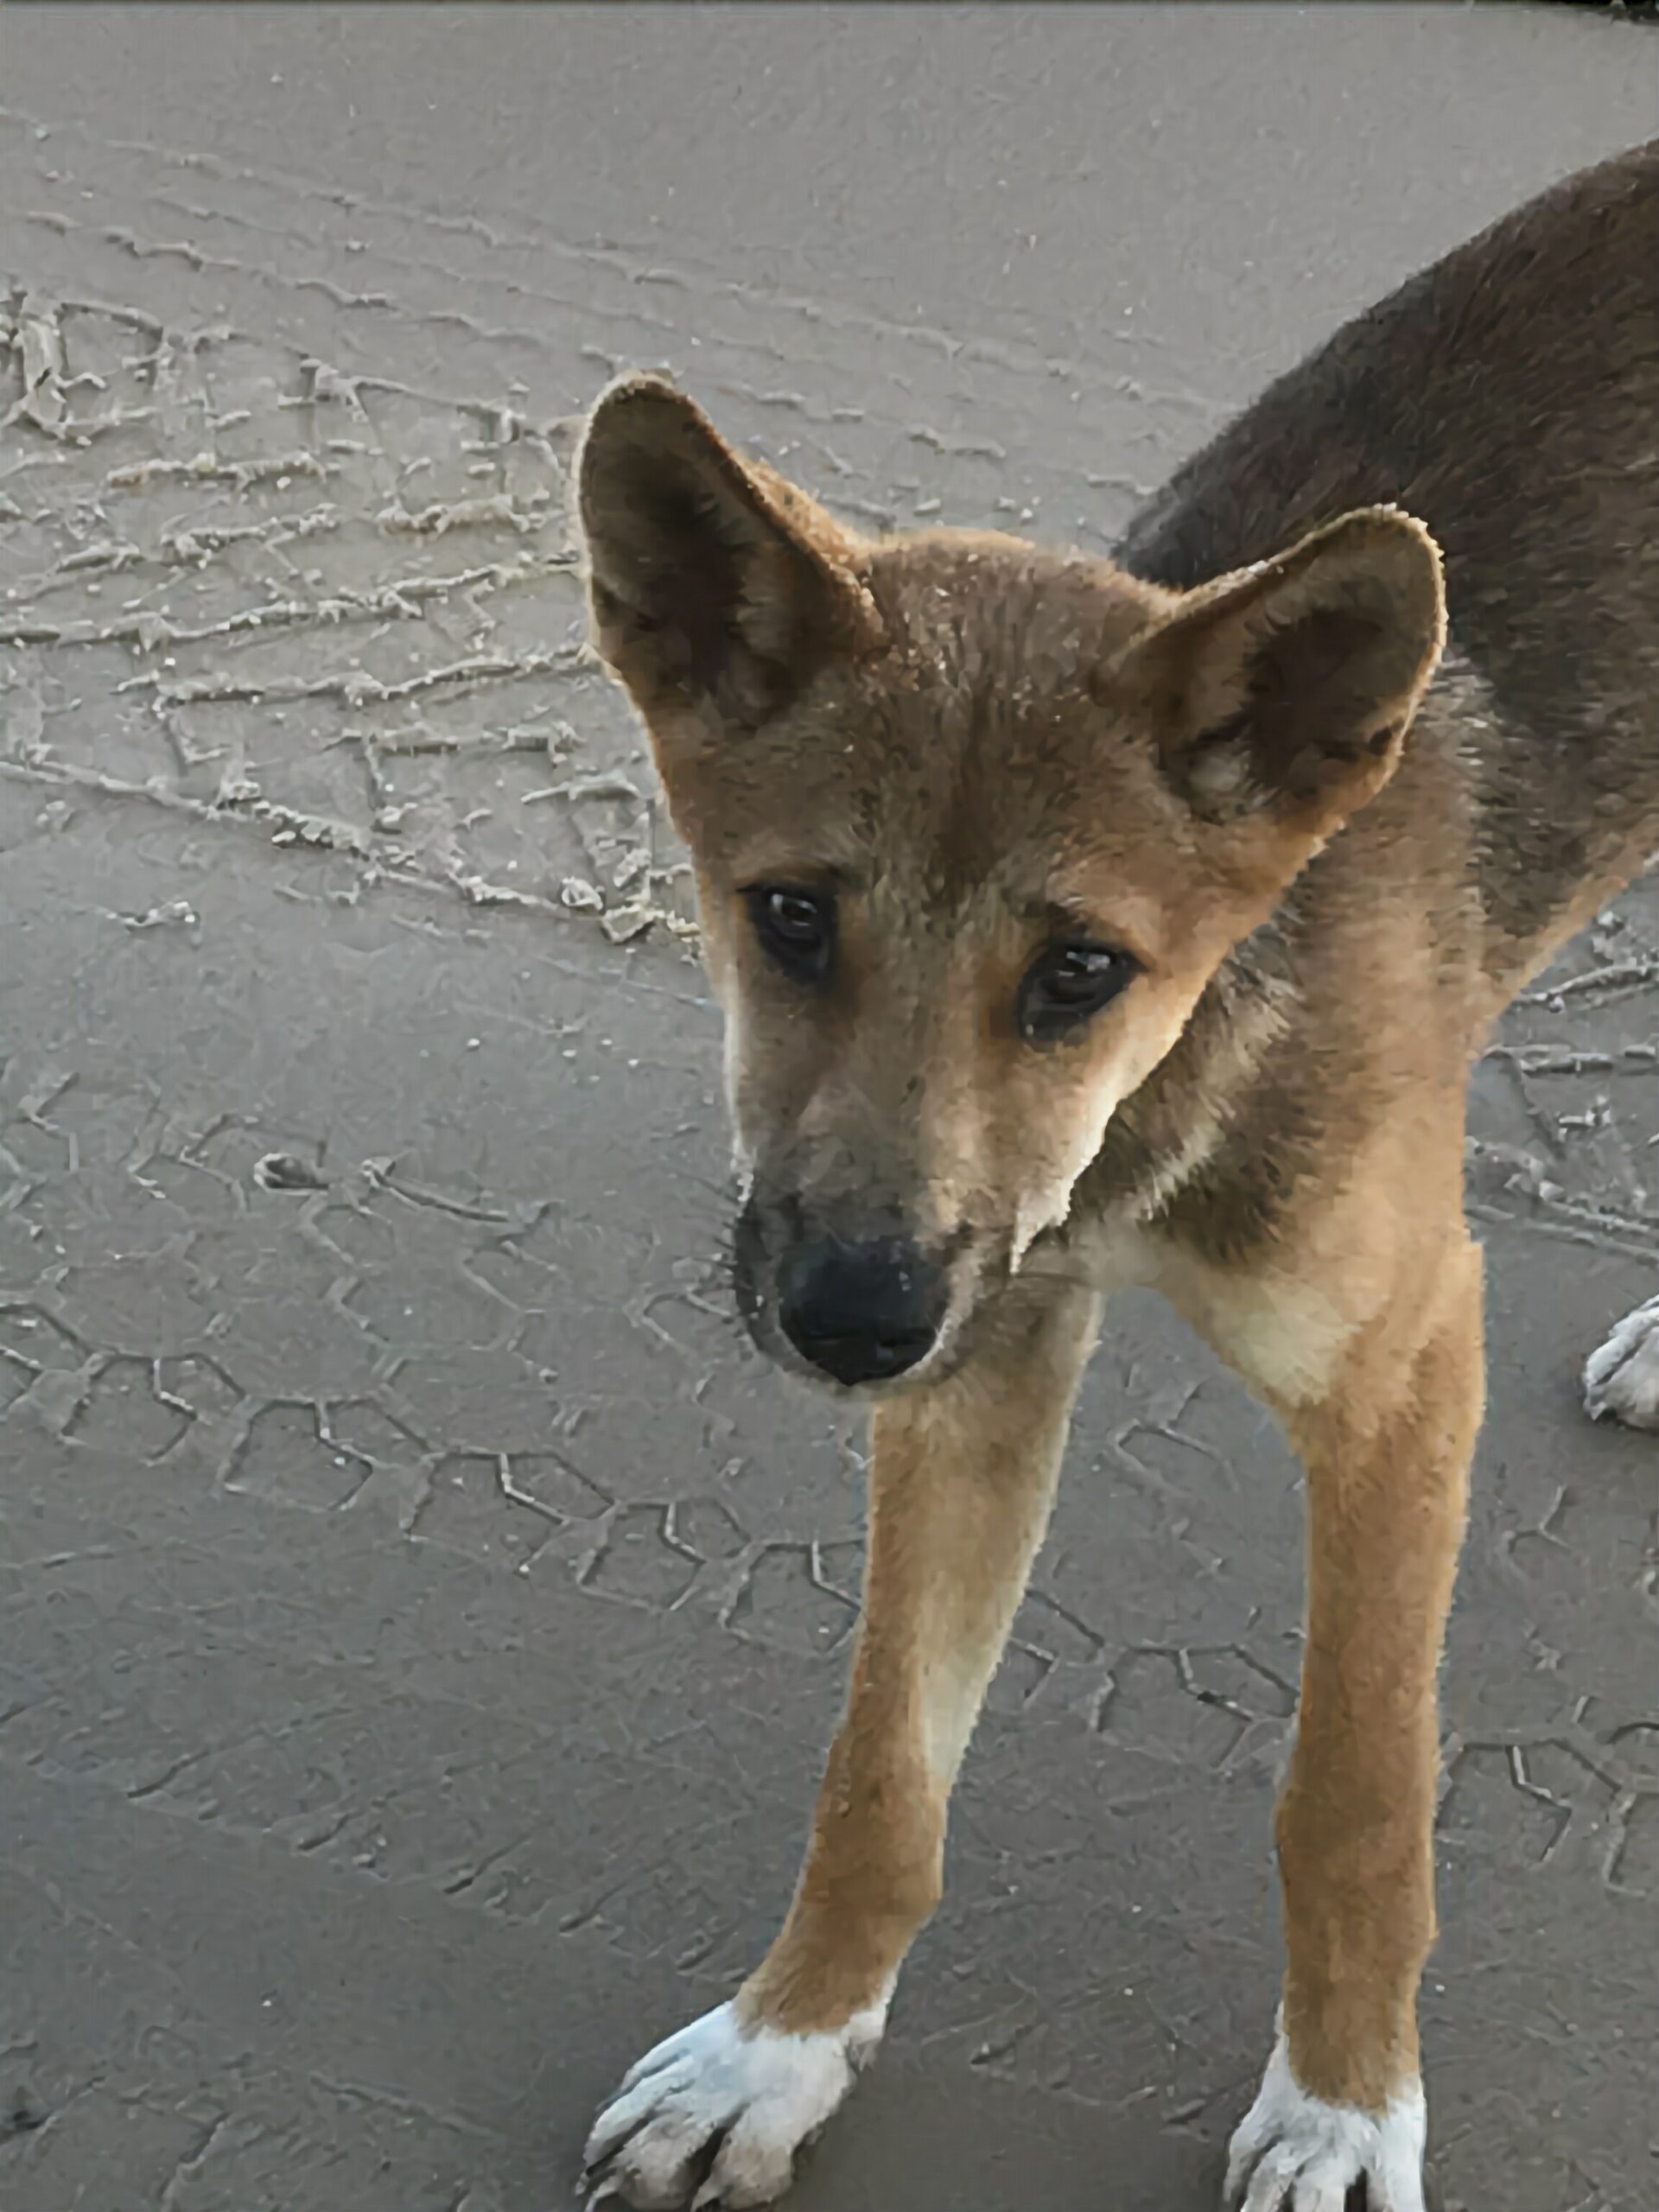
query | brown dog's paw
(713,2116)
(1621,1377)
(1294,2153)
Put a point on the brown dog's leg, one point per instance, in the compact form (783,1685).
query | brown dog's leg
(961,1481)
(1387,1447)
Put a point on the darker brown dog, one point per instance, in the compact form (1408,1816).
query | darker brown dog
(1081,922)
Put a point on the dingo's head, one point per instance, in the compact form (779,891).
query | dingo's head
(974,826)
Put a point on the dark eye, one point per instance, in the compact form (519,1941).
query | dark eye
(796,928)
(1067,984)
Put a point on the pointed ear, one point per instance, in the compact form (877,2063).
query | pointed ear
(711,579)
(1288,688)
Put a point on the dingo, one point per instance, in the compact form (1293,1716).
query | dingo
(1079,922)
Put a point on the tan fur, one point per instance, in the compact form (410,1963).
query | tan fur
(1332,855)
(962,1479)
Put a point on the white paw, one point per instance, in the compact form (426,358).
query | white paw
(1621,1377)
(715,2115)
(1295,2154)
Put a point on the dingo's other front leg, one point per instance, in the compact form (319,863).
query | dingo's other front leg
(1387,1443)
(962,1477)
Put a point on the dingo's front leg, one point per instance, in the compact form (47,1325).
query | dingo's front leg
(962,1476)
(1387,1446)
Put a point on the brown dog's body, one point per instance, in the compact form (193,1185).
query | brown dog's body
(1080,924)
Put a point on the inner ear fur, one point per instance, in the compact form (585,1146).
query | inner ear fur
(1289,687)
(711,580)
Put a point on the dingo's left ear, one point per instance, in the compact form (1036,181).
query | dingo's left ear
(1288,688)
(712,579)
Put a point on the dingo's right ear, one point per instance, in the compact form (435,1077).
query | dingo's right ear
(712,579)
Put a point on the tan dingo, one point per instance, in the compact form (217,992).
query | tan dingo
(1082,922)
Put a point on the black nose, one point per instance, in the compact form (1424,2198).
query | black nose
(862,1313)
